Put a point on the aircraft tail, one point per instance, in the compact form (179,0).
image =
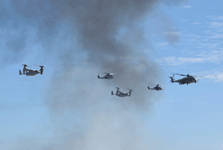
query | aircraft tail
(41,70)
(148,87)
(99,77)
(130,92)
(20,73)
(172,80)
(196,80)
(112,93)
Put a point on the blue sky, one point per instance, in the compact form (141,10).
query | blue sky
(191,115)
(184,117)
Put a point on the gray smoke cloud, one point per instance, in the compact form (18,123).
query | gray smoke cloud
(107,36)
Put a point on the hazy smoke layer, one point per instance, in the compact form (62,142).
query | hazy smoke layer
(110,34)
(107,35)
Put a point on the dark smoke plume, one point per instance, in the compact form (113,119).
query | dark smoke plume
(107,35)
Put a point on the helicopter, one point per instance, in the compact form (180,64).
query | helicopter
(122,94)
(157,88)
(186,80)
(106,76)
(30,72)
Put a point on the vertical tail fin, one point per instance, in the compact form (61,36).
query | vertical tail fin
(41,70)
(98,77)
(20,72)
(112,93)
(130,92)
(172,80)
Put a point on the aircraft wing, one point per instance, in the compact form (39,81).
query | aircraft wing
(29,70)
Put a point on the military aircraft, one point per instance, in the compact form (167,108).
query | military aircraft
(122,94)
(186,80)
(157,88)
(107,76)
(30,72)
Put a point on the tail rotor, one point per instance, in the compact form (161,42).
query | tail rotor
(171,78)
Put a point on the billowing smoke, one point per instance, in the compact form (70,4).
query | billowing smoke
(108,36)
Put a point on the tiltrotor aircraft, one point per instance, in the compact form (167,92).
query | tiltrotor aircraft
(122,94)
(186,80)
(157,88)
(30,72)
(107,76)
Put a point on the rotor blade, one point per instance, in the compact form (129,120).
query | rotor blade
(40,66)
(157,84)
(130,89)
(173,74)
(26,65)
(106,73)
(102,72)
(198,76)
(162,85)
(180,74)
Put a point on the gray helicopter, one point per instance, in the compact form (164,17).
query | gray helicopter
(186,80)
(157,88)
(107,76)
(30,72)
(122,94)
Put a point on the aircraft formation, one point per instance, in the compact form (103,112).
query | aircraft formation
(188,79)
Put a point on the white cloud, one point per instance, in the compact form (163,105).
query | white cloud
(216,36)
(174,61)
(213,57)
(210,45)
(215,17)
(219,18)
(162,44)
(186,6)
(193,36)
(196,23)
(216,24)
(193,60)
(216,76)
(176,33)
